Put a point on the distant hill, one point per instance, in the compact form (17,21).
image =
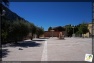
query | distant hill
(12,15)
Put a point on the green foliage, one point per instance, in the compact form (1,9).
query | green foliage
(4,37)
(34,29)
(69,30)
(5,24)
(40,31)
(83,28)
(50,28)
(14,28)
(19,30)
(78,29)
(59,28)
(13,31)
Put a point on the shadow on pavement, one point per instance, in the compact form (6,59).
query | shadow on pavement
(38,40)
(61,39)
(4,53)
(26,44)
(45,38)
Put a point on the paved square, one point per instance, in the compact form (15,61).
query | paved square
(52,49)
(70,49)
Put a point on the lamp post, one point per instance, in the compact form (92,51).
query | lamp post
(3,13)
(73,31)
(66,32)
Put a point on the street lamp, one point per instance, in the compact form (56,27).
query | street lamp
(3,12)
(73,32)
(66,32)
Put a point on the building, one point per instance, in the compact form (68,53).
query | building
(89,34)
(52,33)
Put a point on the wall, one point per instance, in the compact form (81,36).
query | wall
(49,34)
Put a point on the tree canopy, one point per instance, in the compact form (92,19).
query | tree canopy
(40,31)
(14,28)
(50,28)
(78,29)
(59,28)
(83,28)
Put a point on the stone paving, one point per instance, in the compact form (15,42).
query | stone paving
(70,49)
(52,49)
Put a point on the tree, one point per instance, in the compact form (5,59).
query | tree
(83,29)
(3,31)
(19,30)
(59,28)
(40,31)
(69,30)
(5,25)
(50,28)
(32,29)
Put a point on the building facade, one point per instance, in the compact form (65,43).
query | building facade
(52,33)
(90,33)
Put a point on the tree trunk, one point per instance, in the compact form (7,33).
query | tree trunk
(32,36)
(38,36)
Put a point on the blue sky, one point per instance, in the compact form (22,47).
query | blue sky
(53,14)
